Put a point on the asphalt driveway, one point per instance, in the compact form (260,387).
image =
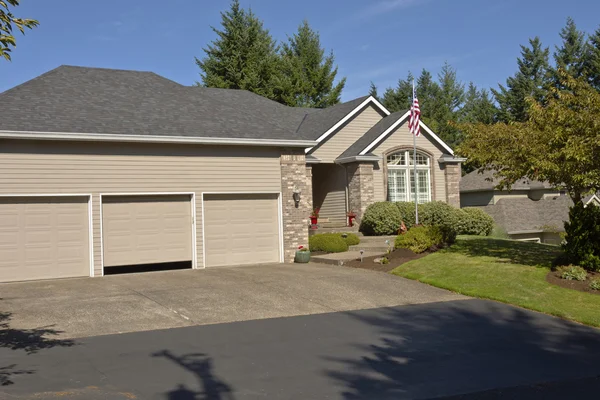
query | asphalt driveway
(76,308)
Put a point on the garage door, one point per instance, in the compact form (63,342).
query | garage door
(146,229)
(43,238)
(241,229)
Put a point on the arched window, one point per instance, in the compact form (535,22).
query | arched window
(400,171)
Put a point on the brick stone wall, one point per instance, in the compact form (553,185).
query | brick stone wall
(361,191)
(452,174)
(294,176)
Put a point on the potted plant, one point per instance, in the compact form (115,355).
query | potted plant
(351,217)
(302,255)
(314,216)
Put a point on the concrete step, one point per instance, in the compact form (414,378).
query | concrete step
(377,239)
(370,247)
(341,258)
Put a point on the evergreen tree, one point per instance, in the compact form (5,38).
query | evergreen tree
(571,55)
(478,106)
(373,91)
(447,102)
(308,74)
(399,99)
(530,80)
(592,59)
(244,56)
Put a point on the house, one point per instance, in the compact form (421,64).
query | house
(530,211)
(103,168)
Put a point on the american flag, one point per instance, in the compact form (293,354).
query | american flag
(415,116)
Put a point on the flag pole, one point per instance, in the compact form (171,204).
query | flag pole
(415,163)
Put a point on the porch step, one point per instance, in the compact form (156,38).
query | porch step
(369,247)
(376,239)
(342,258)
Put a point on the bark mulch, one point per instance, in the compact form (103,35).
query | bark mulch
(582,286)
(396,258)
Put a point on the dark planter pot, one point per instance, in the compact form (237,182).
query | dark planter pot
(302,257)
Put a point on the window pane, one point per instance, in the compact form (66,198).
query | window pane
(396,159)
(423,187)
(421,159)
(396,185)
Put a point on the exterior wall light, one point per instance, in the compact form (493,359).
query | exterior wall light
(296,196)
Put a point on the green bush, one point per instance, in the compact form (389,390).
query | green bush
(438,213)
(595,284)
(499,232)
(582,246)
(572,273)
(418,239)
(474,221)
(407,212)
(381,218)
(351,239)
(328,242)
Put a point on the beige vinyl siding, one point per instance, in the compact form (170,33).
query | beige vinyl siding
(329,193)
(349,133)
(515,194)
(44,167)
(402,137)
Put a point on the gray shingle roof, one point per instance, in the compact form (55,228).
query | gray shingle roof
(523,214)
(372,134)
(475,182)
(94,100)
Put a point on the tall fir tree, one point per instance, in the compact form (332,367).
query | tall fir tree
(373,91)
(308,75)
(244,56)
(400,98)
(447,103)
(592,59)
(531,79)
(571,55)
(478,107)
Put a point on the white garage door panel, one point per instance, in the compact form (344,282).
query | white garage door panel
(146,230)
(44,237)
(241,229)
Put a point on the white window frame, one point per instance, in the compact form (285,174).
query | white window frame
(408,169)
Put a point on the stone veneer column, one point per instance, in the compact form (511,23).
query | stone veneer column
(295,225)
(361,191)
(452,176)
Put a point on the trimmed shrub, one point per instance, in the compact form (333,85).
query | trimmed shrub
(595,284)
(474,221)
(572,273)
(499,232)
(328,242)
(407,212)
(351,239)
(381,218)
(438,213)
(418,239)
(582,246)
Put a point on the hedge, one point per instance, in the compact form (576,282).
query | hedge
(474,221)
(419,239)
(381,218)
(331,242)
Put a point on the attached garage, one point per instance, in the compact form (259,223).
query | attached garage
(147,229)
(241,229)
(43,237)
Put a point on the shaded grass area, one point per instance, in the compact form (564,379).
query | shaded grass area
(503,270)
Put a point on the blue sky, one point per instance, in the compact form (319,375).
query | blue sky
(374,40)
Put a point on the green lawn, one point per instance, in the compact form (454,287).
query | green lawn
(503,270)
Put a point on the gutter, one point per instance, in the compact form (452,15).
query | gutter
(346,160)
(445,159)
(110,137)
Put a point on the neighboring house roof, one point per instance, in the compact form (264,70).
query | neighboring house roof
(524,215)
(485,181)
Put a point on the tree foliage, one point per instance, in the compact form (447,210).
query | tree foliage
(592,59)
(308,75)
(531,79)
(571,54)
(244,56)
(7,24)
(560,143)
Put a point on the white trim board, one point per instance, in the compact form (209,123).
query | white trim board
(141,194)
(369,100)
(90,217)
(279,212)
(400,120)
(102,137)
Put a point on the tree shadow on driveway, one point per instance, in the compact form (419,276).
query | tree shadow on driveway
(472,346)
(201,366)
(28,340)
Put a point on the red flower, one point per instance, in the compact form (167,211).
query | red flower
(300,247)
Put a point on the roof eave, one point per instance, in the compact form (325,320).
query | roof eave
(446,159)
(102,137)
(346,160)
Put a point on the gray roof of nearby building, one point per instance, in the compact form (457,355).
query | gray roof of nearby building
(372,134)
(485,181)
(94,100)
(523,214)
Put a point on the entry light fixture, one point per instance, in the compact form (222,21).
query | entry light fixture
(296,196)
